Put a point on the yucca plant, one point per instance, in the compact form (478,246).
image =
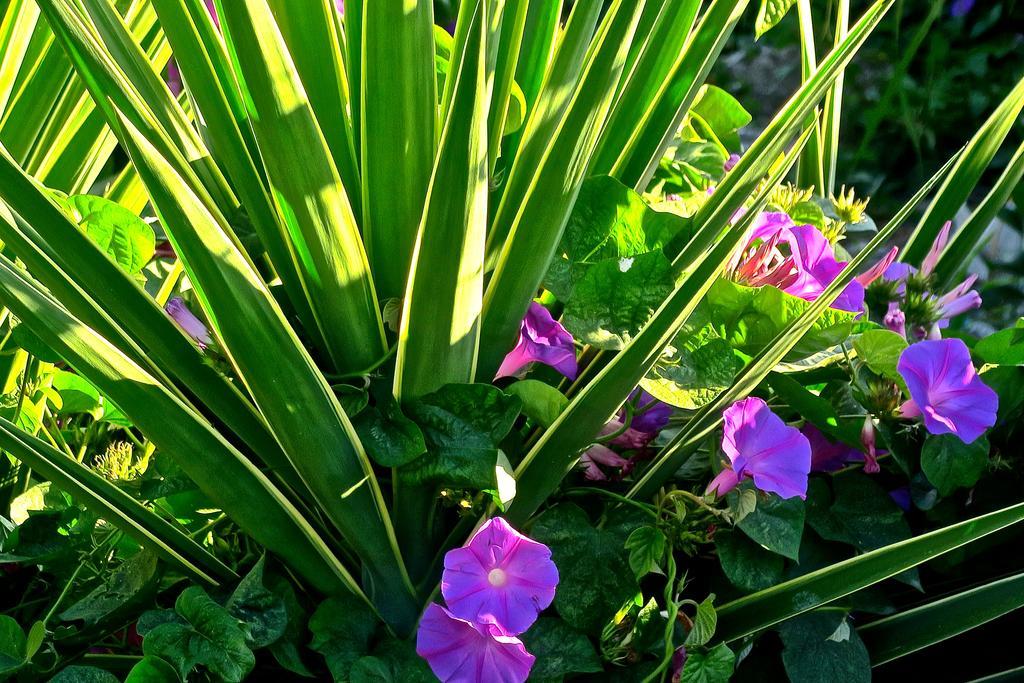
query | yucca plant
(361,208)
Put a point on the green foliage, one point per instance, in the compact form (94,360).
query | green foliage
(951,464)
(749,318)
(821,646)
(342,629)
(541,402)
(714,666)
(771,13)
(560,650)
(594,571)
(122,235)
(776,524)
(201,632)
(463,425)
(322,175)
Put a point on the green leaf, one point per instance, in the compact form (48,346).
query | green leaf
(389,437)
(439,332)
(393,661)
(770,13)
(820,647)
(971,237)
(528,225)
(542,402)
(637,160)
(152,670)
(128,588)
(808,213)
(116,506)
(749,318)
(279,373)
(776,524)
(312,202)
(463,425)
(714,666)
(817,410)
(746,564)
(289,648)
(38,498)
(398,126)
(862,514)
(258,607)
(646,547)
(211,637)
(880,350)
(765,608)
(616,298)
(1005,347)
(122,235)
(595,575)
(936,621)
(950,464)
(656,48)
(88,674)
(694,369)
(13,646)
(723,114)
(77,394)
(690,437)
(560,650)
(342,629)
(161,345)
(704,623)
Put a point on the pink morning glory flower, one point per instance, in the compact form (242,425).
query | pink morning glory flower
(809,267)
(188,322)
(879,269)
(931,259)
(542,339)
(945,389)
(500,577)
(762,447)
(460,651)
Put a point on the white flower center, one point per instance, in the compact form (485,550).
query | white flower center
(497,577)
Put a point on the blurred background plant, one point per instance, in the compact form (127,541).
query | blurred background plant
(935,68)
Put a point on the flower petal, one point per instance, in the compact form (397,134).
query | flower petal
(461,652)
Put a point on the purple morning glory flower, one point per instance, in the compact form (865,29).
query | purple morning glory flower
(761,446)
(826,455)
(731,162)
(960,8)
(945,389)
(500,578)
(959,300)
(901,497)
(459,651)
(650,415)
(542,339)
(188,322)
(899,273)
